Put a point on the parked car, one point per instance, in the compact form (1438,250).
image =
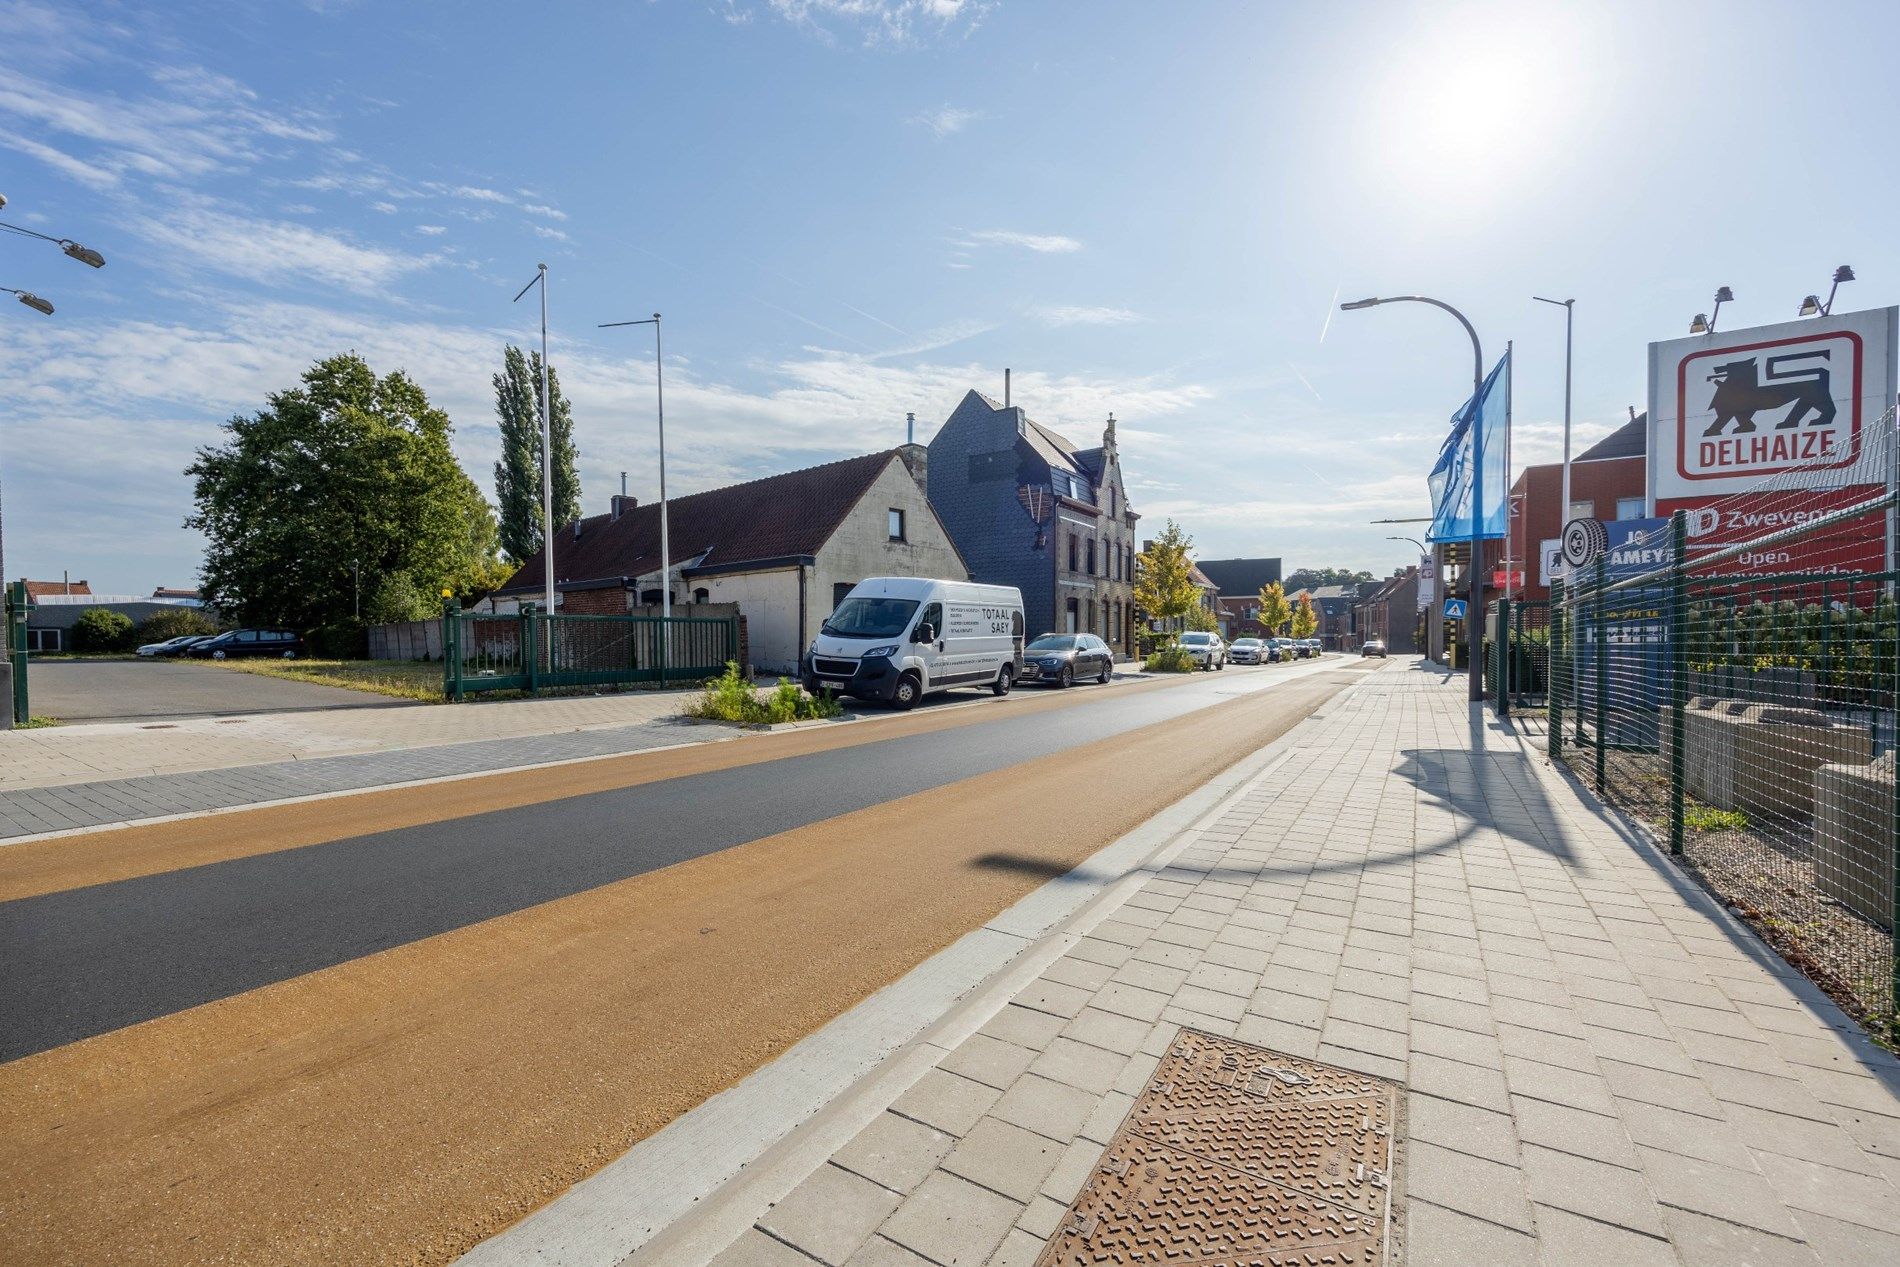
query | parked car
(1374,646)
(1205,649)
(1249,651)
(900,638)
(1285,649)
(1314,648)
(280,643)
(1064,659)
(174,646)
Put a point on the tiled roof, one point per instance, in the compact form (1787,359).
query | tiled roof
(46,589)
(1202,579)
(780,516)
(1631,440)
(1241,576)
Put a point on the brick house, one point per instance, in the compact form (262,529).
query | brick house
(1607,481)
(1389,612)
(1240,582)
(779,551)
(1029,509)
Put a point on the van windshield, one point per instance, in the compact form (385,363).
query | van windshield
(870,618)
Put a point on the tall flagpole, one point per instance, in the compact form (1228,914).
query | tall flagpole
(547,456)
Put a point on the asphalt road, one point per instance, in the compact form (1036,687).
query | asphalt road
(380,1028)
(148,690)
(89,960)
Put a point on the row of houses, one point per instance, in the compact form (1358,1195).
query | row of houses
(54,607)
(995,497)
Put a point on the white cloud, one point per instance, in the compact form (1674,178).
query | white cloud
(273,252)
(552,213)
(1072,315)
(432,230)
(547,231)
(387,208)
(1043,243)
(893,22)
(947,120)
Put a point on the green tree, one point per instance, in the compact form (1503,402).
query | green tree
(1275,612)
(1305,619)
(174,622)
(1164,576)
(518,473)
(102,629)
(342,490)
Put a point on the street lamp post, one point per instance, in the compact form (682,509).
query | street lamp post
(547,447)
(659,398)
(1474,582)
(1570,310)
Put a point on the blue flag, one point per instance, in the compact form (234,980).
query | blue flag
(1450,480)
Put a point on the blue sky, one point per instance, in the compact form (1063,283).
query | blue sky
(848,209)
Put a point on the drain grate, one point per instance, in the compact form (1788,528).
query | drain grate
(1239,1155)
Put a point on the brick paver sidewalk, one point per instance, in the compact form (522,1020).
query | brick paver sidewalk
(1600,1066)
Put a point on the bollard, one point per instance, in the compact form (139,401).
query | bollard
(6,693)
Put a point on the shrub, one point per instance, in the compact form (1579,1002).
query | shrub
(731,697)
(102,629)
(339,641)
(178,622)
(1172,658)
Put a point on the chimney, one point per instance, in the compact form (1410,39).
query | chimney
(1632,410)
(66,579)
(1006,387)
(577,530)
(917,460)
(622,504)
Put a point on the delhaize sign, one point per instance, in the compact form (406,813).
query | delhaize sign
(1778,412)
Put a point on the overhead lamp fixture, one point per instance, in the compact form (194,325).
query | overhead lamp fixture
(1811,306)
(1705,323)
(84,254)
(1844,273)
(31,300)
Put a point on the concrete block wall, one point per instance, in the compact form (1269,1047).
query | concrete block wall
(1853,836)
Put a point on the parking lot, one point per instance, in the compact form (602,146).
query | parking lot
(129,691)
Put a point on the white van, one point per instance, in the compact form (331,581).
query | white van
(899,638)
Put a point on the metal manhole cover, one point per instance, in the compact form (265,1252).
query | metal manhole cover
(1239,1155)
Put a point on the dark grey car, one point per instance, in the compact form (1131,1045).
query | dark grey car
(1064,659)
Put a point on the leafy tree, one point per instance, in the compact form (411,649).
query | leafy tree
(1305,619)
(341,489)
(518,473)
(1275,611)
(175,622)
(102,629)
(1164,576)
(1313,578)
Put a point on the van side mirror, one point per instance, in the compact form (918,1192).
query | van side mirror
(926,632)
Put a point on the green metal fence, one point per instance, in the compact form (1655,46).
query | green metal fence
(16,605)
(1750,720)
(1517,655)
(533,651)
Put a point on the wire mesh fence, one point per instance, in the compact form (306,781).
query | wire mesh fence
(534,651)
(1731,675)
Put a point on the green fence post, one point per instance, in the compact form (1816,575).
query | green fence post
(1598,628)
(16,651)
(1678,637)
(530,649)
(732,641)
(1504,651)
(451,648)
(1554,657)
(1893,712)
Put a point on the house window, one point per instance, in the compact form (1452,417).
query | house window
(649,598)
(897,524)
(1630,507)
(1091,556)
(702,595)
(42,640)
(840,592)
(1072,556)
(1581,510)
(1069,616)
(1091,624)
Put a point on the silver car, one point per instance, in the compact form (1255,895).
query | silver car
(1247,651)
(1205,649)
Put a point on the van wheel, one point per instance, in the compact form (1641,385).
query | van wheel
(905,696)
(1004,680)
